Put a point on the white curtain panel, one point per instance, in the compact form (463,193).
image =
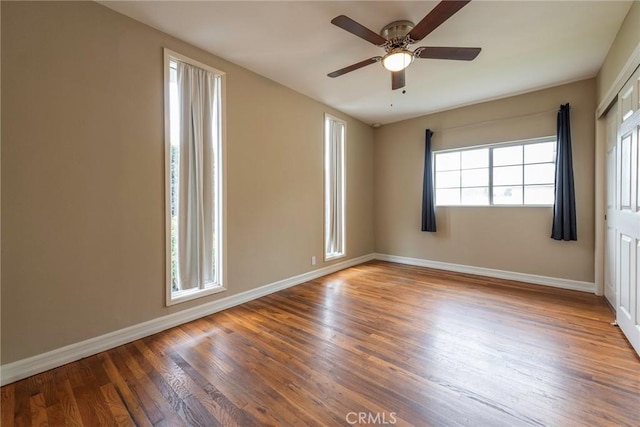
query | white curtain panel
(196,177)
(334,188)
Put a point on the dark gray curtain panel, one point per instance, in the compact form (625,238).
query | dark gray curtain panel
(564,206)
(428,203)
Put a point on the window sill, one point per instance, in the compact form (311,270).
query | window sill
(191,294)
(331,257)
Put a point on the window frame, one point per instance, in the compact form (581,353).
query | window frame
(521,142)
(343,225)
(171,297)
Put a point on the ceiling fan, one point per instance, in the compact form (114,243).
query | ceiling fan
(396,37)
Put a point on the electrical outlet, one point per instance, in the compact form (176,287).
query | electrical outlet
(313,260)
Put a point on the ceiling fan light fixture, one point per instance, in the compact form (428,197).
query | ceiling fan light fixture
(397,60)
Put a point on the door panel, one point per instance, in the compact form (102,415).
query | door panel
(625,276)
(625,98)
(636,164)
(637,296)
(625,171)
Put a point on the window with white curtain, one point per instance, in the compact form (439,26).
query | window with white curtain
(335,132)
(194,178)
(509,174)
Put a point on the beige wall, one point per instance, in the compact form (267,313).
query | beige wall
(83,176)
(506,238)
(627,39)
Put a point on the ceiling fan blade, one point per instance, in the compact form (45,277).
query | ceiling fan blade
(354,67)
(397,80)
(359,30)
(443,11)
(456,53)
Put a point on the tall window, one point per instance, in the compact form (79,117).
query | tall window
(334,187)
(520,173)
(194,178)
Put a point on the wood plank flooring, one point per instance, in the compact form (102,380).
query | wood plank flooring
(379,343)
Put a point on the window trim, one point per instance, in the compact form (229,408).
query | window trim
(523,142)
(172,298)
(343,219)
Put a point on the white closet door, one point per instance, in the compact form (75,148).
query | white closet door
(626,218)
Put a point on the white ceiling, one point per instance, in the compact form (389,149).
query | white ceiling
(526,45)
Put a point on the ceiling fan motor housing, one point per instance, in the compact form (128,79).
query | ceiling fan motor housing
(396,33)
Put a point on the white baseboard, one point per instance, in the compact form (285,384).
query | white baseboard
(24,368)
(556,282)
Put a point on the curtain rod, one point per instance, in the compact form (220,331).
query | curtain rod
(497,120)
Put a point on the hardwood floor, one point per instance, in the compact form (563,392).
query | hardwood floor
(379,343)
